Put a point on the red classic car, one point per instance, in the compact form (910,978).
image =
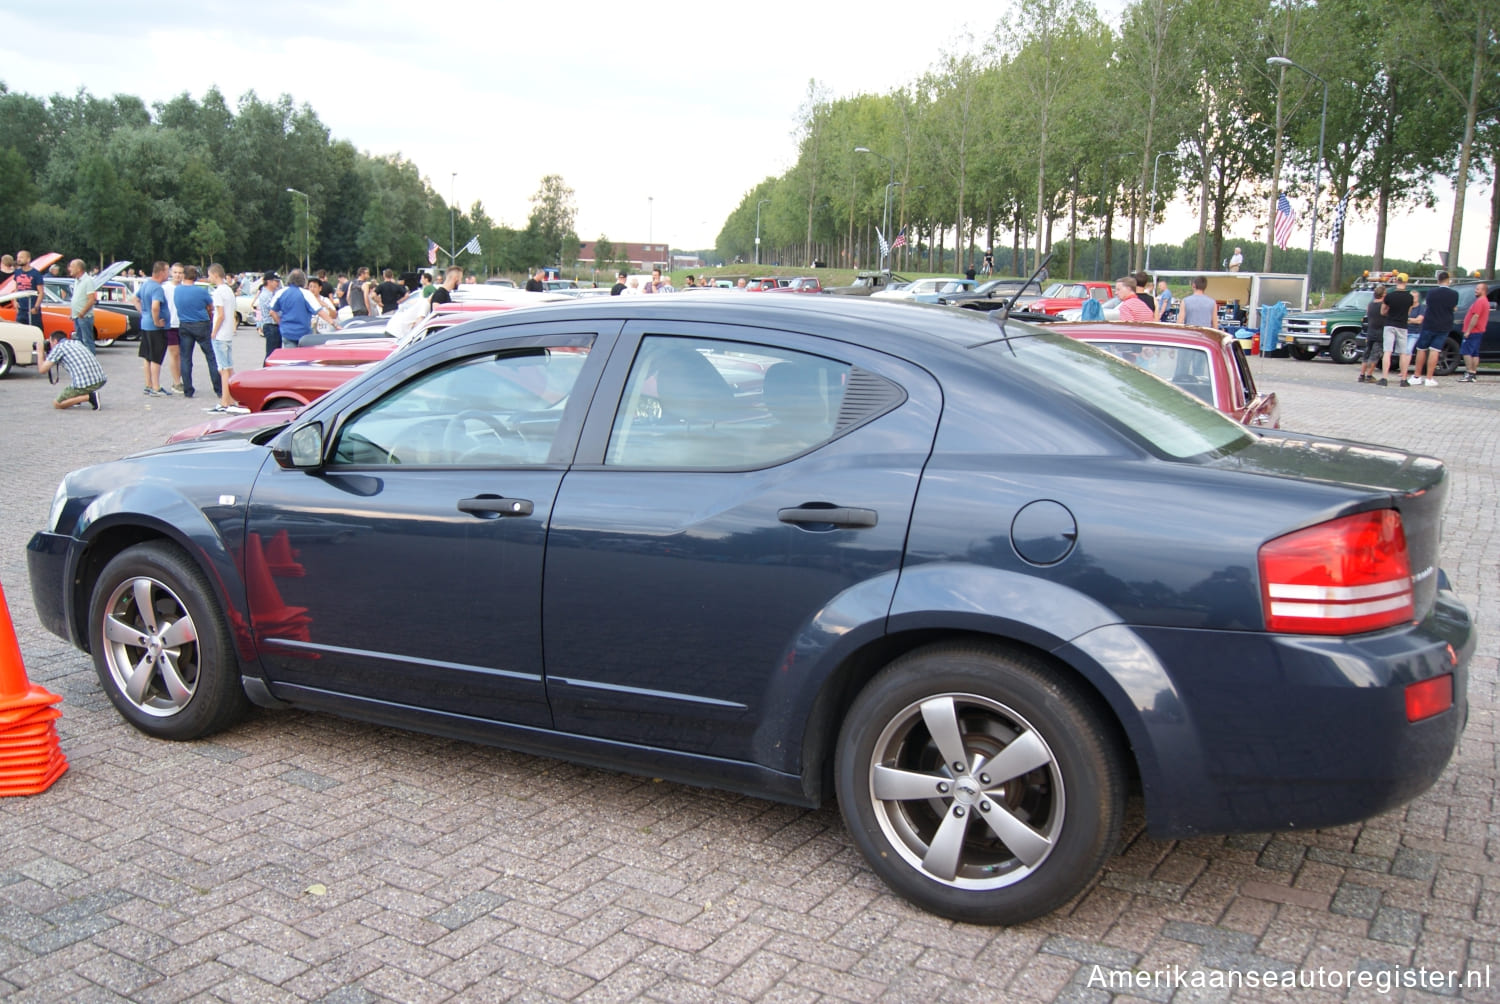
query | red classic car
(1208,364)
(765,283)
(293,377)
(1062,296)
(804,284)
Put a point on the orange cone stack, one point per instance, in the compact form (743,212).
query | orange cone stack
(281,558)
(30,757)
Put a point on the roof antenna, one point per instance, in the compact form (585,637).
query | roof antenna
(1003,314)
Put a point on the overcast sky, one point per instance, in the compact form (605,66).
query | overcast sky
(659,117)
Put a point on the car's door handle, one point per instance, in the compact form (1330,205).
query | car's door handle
(828,514)
(495,505)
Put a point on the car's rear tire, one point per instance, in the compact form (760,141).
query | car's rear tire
(280,402)
(7,359)
(979,785)
(1303,352)
(1343,348)
(103,343)
(161,645)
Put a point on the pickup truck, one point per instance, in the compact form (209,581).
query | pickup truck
(866,283)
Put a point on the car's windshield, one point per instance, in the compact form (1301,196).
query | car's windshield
(1355,299)
(1165,420)
(1056,289)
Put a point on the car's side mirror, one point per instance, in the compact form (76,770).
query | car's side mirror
(300,447)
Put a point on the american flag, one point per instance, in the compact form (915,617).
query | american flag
(1338,216)
(1284,221)
(900,239)
(473,246)
(432,250)
(885,248)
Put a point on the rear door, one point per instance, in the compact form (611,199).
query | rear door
(740,497)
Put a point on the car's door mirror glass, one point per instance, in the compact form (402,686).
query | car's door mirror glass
(307,445)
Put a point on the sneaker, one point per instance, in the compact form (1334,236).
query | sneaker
(1429,382)
(1381,381)
(93,400)
(163,392)
(178,388)
(1405,382)
(219,408)
(237,409)
(149,392)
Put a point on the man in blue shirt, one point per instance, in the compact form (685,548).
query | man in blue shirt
(28,308)
(194,303)
(295,309)
(155,319)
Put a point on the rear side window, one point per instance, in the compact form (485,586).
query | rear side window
(705,403)
(1162,419)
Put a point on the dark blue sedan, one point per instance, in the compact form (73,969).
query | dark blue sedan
(977,582)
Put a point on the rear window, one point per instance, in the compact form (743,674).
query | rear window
(1165,420)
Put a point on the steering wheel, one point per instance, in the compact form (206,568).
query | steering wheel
(458,442)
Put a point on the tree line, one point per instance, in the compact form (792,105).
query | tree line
(109,178)
(1058,130)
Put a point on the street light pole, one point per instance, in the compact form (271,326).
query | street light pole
(452,218)
(1151,208)
(1318,168)
(762,202)
(890,182)
(306,229)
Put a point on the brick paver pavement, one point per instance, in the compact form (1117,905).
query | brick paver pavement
(303,857)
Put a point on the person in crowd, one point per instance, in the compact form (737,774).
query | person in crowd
(7,268)
(1164,302)
(359,293)
(172,364)
(1236,260)
(1143,292)
(151,300)
(1476,319)
(443,293)
(1132,308)
(1436,317)
(1397,308)
(390,293)
(326,311)
(270,288)
(1198,308)
(194,304)
(655,284)
(1374,335)
(535,283)
(295,308)
(619,286)
(28,279)
(85,375)
(221,337)
(81,307)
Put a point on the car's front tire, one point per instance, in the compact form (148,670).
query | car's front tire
(7,359)
(161,646)
(979,785)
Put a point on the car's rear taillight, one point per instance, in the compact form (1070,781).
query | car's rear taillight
(1429,697)
(1348,575)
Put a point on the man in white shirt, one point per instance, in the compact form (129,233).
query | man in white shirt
(221,336)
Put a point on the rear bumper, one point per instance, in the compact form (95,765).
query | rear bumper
(1293,731)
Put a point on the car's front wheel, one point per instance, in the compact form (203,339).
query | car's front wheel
(161,647)
(979,785)
(1344,348)
(7,359)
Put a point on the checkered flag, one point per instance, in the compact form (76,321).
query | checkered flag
(1338,217)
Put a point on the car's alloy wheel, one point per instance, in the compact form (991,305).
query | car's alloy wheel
(1449,359)
(103,343)
(161,646)
(7,359)
(979,785)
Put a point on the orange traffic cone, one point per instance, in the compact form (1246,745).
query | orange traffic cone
(272,617)
(280,557)
(30,757)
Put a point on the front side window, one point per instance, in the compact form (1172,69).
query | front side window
(494,410)
(697,402)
